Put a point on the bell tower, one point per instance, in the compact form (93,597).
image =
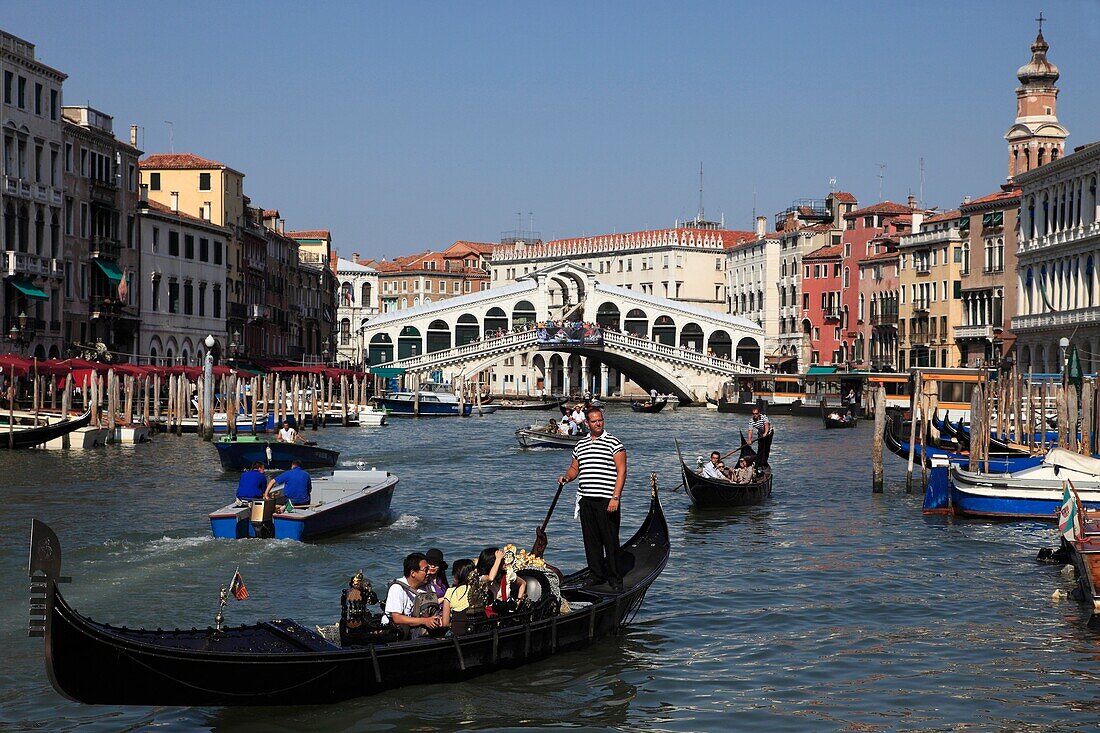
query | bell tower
(1036,137)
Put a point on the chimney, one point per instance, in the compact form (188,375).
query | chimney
(912,202)
(282,226)
(966,200)
(355,257)
(761,226)
(133,136)
(918,219)
(143,193)
(176,201)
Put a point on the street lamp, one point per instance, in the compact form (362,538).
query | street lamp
(1063,345)
(21,334)
(234,348)
(208,390)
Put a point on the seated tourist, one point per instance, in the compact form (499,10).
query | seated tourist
(727,473)
(566,426)
(493,580)
(710,469)
(436,581)
(457,598)
(251,484)
(744,473)
(401,597)
(297,485)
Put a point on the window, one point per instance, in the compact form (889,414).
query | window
(156,239)
(189,246)
(202,299)
(204,181)
(217,309)
(174,244)
(217,252)
(154,181)
(173,296)
(83,162)
(21,100)
(83,219)
(37,98)
(9,82)
(54,106)
(204,250)
(188,298)
(443,286)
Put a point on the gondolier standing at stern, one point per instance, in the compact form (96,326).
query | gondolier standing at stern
(761,427)
(599,459)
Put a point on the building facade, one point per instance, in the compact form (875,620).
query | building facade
(182,284)
(1056,271)
(751,269)
(930,289)
(821,304)
(429,277)
(357,300)
(31,201)
(102,236)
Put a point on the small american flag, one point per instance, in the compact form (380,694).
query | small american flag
(236,587)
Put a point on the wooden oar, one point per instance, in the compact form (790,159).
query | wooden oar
(541,539)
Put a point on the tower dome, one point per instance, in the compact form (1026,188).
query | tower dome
(1038,71)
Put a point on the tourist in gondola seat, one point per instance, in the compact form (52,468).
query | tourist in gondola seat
(252,483)
(401,597)
(710,469)
(297,485)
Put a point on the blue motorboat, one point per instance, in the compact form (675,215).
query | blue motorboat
(1029,493)
(242,451)
(430,401)
(344,501)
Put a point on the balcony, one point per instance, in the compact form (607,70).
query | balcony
(884,319)
(951,234)
(1063,318)
(259,313)
(16,186)
(831,314)
(55,197)
(974,332)
(41,193)
(105,248)
(31,265)
(920,306)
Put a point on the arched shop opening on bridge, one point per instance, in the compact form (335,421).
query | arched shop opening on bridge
(466,329)
(636,323)
(607,316)
(495,320)
(523,314)
(380,349)
(408,343)
(664,331)
(439,336)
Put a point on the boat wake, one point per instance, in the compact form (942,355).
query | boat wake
(405,521)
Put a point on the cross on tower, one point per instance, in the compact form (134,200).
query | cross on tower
(1040,19)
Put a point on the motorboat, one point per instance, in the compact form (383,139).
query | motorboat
(1034,492)
(428,401)
(241,451)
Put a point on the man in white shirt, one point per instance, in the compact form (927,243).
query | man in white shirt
(287,434)
(402,595)
(710,470)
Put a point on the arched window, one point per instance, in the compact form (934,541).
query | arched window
(365,295)
(347,296)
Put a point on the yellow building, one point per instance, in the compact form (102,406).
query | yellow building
(213,192)
(930,291)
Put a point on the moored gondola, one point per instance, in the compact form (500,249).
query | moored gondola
(17,436)
(530,405)
(649,405)
(281,662)
(708,493)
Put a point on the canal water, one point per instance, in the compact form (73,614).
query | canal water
(827,608)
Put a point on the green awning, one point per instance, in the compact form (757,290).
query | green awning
(822,370)
(110,269)
(387,372)
(27,288)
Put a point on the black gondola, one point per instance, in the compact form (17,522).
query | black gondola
(23,437)
(283,663)
(543,405)
(653,406)
(708,493)
(836,418)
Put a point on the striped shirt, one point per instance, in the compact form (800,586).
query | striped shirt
(596,458)
(756,424)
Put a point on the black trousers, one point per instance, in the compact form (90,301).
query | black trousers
(764,449)
(600,529)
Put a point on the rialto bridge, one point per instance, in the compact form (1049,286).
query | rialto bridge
(644,342)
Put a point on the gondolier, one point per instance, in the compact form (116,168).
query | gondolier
(600,461)
(760,427)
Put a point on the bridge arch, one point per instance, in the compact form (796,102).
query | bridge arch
(409,343)
(439,336)
(748,351)
(720,344)
(495,320)
(636,322)
(607,315)
(380,349)
(523,313)
(691,337)
(664,330)
(466,329)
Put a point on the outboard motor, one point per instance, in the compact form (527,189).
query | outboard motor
(262,511)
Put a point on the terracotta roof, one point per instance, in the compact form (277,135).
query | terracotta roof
(163,209)
(821,253)
(943,216)
(879,258)
(993,197)
(883,207)
(817,228)
(485,248)
(310,234)
(178,160)
(844,197)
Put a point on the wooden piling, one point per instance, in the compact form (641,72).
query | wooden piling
(1085,444)
(876,445)
(344,399)
(914,412)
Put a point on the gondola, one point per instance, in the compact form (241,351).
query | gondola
(837,418)
(997,462)
(28,437)
(708,493)
(282,662)
(538,436)
(652,406)
(242,451)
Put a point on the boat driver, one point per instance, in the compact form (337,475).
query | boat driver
(251,485)
(288,434)
(297,485)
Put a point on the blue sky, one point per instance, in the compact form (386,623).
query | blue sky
(405,126)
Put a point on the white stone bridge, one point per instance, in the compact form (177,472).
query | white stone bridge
(655,343)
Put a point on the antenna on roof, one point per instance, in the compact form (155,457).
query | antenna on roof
(881,178)
(754,205)
(700,217)
(171,135)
